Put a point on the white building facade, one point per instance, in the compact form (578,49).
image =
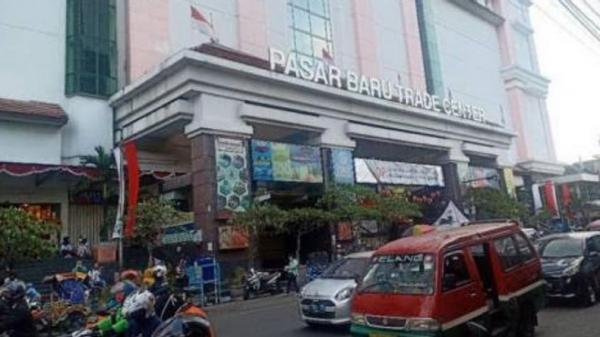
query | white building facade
(188,103)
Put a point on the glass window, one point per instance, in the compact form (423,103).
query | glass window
(346,269)
(456,273)
(400,274)
(91,50)
(562,248)
(507,251)
(311,27)
(524,248)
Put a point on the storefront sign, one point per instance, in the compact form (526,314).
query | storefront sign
(319,72)
(342,170)
(398,173)
(232,174)
(286,162)
(186,232)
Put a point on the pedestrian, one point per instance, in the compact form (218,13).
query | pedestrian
(66,249)
(292,274)
(83,248)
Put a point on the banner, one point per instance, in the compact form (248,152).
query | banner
(398,173)
(342,169)
(133,174)
(118,228)
(233,237)
(286,162)
(180,233)
(232,174)
(479,177)
(509,181)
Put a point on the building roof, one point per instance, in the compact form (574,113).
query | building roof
(435,241)
(221,51)
(44,112)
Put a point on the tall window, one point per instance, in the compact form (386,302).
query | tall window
(429,48)
(310,23)
(91,48)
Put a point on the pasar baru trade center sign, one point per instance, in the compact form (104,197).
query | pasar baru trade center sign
(319,72)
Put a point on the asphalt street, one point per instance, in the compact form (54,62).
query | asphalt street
(277,317)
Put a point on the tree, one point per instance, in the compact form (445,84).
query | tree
(24,237)
(151,216)
(301,221)
(104,163)
(257,219)
(490,204)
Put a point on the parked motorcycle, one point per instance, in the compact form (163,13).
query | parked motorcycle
(258,283)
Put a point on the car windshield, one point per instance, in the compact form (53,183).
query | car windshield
(559,248)
(400,274)
(347,268)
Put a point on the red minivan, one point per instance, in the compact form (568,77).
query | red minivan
(476,280)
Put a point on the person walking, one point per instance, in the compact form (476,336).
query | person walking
(292,274)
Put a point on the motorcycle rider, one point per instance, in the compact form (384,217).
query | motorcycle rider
(139,311)
(15,316)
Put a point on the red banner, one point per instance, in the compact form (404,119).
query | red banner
(133,175)
(550,198)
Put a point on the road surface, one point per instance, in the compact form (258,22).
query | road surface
(277,317)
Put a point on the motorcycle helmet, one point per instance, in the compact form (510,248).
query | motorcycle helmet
(159,271)
(122,289)
(12,292)
(191,321)
(139,304)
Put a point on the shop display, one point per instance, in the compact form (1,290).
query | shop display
(286,162)
(232,174)
(342,170)
(233,237)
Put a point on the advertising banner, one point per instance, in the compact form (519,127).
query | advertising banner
(232,174)
(398,173)
(286,162)
(478,177)
(342,169)
(180,233)
(233,237)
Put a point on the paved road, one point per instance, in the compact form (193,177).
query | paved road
(277,317)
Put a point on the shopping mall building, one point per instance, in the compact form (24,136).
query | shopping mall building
(227,100)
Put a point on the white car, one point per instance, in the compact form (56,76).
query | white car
(328,299)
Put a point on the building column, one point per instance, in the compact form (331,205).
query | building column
(204,185)
(454,168)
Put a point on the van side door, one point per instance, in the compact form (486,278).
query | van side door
(462,297)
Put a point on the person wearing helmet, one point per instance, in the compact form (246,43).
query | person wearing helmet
(160,288)
(190,321)
(138,309)
(15,317)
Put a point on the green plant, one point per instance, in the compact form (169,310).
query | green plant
(151,216)
(104,163)
(490,203)
(23,237)
(301,221)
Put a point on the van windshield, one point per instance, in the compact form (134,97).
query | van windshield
(400,274)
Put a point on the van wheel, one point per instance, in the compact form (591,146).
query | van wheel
(527,321)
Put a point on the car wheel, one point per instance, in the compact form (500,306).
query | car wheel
(590,296)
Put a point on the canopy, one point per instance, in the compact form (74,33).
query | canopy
(451,216)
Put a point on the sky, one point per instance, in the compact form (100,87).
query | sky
(570,58)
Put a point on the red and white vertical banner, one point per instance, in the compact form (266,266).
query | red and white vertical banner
(118,228)
(133,176)
(550,198)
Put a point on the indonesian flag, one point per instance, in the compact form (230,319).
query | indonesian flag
(326,56)
(200,23)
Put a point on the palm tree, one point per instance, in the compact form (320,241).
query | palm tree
(104,163)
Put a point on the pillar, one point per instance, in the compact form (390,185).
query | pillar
(204,185)
(454,169)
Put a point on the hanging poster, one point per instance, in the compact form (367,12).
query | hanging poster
(478,177)
(342,169)
(398,173)
(232,174)
(285,162)
(233,237)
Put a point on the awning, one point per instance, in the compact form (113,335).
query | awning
(26,169)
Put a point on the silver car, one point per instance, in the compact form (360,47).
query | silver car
(328,299)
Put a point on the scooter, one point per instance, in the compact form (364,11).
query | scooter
(258,283)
